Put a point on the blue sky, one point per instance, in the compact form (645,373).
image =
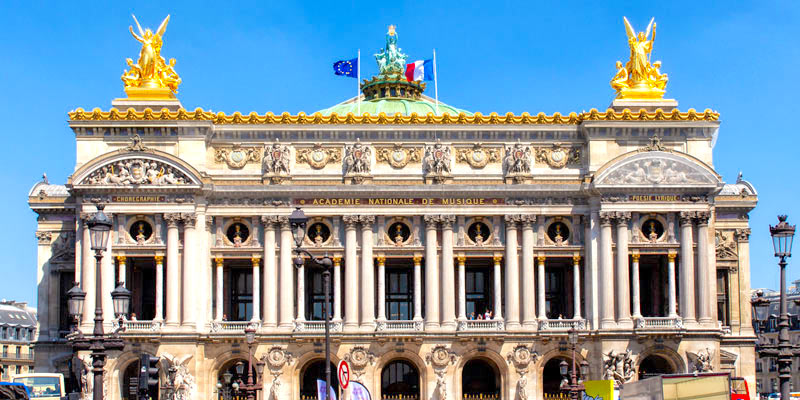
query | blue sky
(738,58)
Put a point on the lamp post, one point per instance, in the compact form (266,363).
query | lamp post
(297,223)
(249,386)
(225,388)
(574,385)
(782,236)
(100,229)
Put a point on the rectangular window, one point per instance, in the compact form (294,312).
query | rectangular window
(479,284)
(242,294)
(18,370)
(19,351)
(723,313)
(399,294)
(555,295)
(5,351)
(65,280)
(315,295)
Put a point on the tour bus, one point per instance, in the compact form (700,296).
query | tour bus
(43,386)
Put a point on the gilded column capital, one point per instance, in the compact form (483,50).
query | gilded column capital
(417,260)
(172,219)
(189,220)
(743,235)
(381,260)
(447,221)
(541,259)
(671,257)
(122,259)
(497,258)
(635,257)
(269,221)
(686,217)
(606,218)
(702,217)
(337,261)
(256,261)
(159,259)
(431,221)
(576,259)
(44,237)
(219,261)
(462,260)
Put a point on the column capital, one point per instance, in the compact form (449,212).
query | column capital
(512,220)
(541,259)
(606,218)
(635,257)
(686,217)
(703,217)
(417,260)
(350,221)
(85,216)
(671,257)
(159,259)
(576,259)
(337,260)
(742,235)
(447,221)
(381,260)
(122,259)
(462,260)
(283,221)
(44,237)
(431,221)
(256,261)
(527,220)
(497,258)
(622,217)
(189,220)
(219,261)
(172,219)
(366,221)
(269,220)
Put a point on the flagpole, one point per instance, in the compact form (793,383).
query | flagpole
(435,82)
(358,82)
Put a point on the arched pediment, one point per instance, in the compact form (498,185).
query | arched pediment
(656,169)
(137,168)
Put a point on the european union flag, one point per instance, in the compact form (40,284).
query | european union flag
(346,68)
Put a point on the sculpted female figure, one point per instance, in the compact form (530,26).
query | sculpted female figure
(150,55)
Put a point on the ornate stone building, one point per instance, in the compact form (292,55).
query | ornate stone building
(465,245)
(17,332)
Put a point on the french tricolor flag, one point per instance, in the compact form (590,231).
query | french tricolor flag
(421,70)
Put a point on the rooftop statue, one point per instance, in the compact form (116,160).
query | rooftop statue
(151,72)
(391,60)
(638,78)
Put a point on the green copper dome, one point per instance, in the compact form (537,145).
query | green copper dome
(391,106)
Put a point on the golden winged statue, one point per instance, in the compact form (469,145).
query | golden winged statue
(151,76)
(638,78)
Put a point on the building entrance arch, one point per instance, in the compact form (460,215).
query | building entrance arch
(480,379)
(230,368)
(130,391)
(551,375)
(655,365)
(313,371)
(400,379)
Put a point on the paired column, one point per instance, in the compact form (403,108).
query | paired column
(122,269)
(350,271)
(528,280)
(540,292)
(256,289)
(448,274)
(512,272)
(431,274)
(270,272)
(190,270)
(462,290)
(635,290)
(622,274)
(576,287)
(159,288)
(286,275)
(337,288)
(706,282)
(498,287)
(220,264)
(367,274)
(381,287)
(687,268)
(173,270)
(417,287)
(671,296)
(606,273)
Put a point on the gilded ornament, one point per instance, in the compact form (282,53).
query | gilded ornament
(638,78)
(318,157)
(558,156)
(237,156)
(478,156)
(397,156)
(150,77)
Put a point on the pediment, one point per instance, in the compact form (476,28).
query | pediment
(137,168)
(656,169)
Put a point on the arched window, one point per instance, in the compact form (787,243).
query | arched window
(400,378)
(655,365)
(313,372)
(131,391)
(551,375)
(232,371)
(480,379)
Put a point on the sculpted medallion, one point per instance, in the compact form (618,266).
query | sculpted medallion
(397,157)
(558,156)
(477,156)
(236,156)
(318,157)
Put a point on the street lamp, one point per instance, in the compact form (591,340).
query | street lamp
(75,299)
(297,223)
(225,389)
(782,237)
(573,384)
(249,386)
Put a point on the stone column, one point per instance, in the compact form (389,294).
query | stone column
(122,269)
(606,273)
(417,287)
(381,287)
(623,272)
(528,279)
(671,296)
(540,284)
(367,274)
(687,268)
(743,251)
(635,293)
(107,266)
(462,290)
(286,274)
(88,279)
(498,287)
(512,273)
(270,272)
(301,293)
(256,289)
(190,270)
(219,295)
(173,271)
(576,287)
(350,272)
(337,288)
(448,282)
(159,288)
(706,284)
(431,273)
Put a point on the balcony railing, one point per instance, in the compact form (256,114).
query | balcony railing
(316,326)
(231,326)
(482,396)
(399,326)
(400,397)
(562,324)
(659,323)
(481,325)
(142,326)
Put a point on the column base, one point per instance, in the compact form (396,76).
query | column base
(449,325)
(625,323)
(608,324)
(512,325)
(431,326)
(368,327)
(350,326)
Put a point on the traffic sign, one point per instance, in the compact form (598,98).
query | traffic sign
(344,374)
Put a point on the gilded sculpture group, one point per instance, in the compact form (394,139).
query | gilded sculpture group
(637,79)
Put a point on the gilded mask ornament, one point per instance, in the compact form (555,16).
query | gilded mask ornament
(638,78)
(150,76)
(477,156)
(398,157)
(558,156)
(318,157)
(237,156)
